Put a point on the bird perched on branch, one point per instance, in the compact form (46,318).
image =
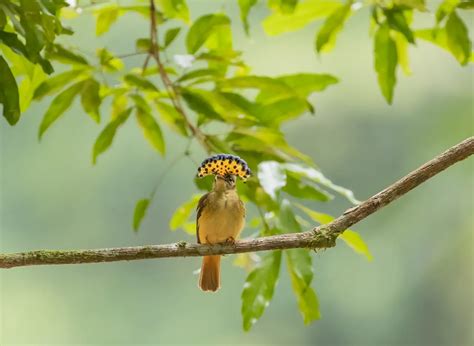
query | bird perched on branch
(220,213)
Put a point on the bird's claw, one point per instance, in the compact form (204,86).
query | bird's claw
(230,241)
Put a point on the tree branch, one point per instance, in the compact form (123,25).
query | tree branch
(317,238)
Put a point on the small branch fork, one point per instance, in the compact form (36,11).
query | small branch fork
(169,86)
(317,238)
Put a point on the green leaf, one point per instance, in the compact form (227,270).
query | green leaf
(245,7)
(119,102)
(35,39)
(255,193)
(45,65)
(28,86)
(90,98)
(58,106)
(326,37)
(414,4)
(445,9)
(320,218)
(107,135)
(203,72)
(283,6)
(59,81)
(296,187)
(197,103)
(385,51)
(9,96)
(140,82)
(222,105)
(466,4)
(354,241)
(288,6)
(458,44)
(65,56)
(140,211)
(242,106)
(151,130)
(11,40)
(303,84)
(263,140)
(435,36)
(183,212)
(228,58)
(140,102)
(458,38)
(172,118)
(220,43)
(305,13)
(3,19)
(259,288)
(272,177)
(402,53)
(108,61)
(397,21)
(189,227)
(143,45)
(274,113)
(287,218)
(202,28)
(318,177)
(171,35)
(19,65)
(204,184)
(175,9)
(300,268)
(106,16)
(271,86)
(351,238)
(144,11)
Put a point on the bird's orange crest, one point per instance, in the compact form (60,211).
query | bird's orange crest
(224,164)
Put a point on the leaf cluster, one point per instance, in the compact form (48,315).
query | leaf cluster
(391,23)
(28,30)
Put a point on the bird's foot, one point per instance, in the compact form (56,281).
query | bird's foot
(230,241)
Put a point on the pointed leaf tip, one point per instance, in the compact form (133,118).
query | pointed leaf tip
(386,60)
(140,211)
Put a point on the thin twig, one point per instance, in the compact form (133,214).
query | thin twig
(319,237)
(169,86)
(163,173)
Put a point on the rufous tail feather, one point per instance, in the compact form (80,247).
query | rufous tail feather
(209,280)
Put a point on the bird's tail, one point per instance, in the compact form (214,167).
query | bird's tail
(209,280)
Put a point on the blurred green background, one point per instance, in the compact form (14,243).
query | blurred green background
(418,290)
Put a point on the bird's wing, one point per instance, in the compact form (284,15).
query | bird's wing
(201,204)
(242,207)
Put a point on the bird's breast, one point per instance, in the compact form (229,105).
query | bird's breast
(223,218)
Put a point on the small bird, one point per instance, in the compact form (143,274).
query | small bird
(220,213)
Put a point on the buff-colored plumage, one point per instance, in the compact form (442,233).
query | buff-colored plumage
(220,218)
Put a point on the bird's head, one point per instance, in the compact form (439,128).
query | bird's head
(226,182)
(226,168)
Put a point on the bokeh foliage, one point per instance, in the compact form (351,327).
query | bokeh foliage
(210,95)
